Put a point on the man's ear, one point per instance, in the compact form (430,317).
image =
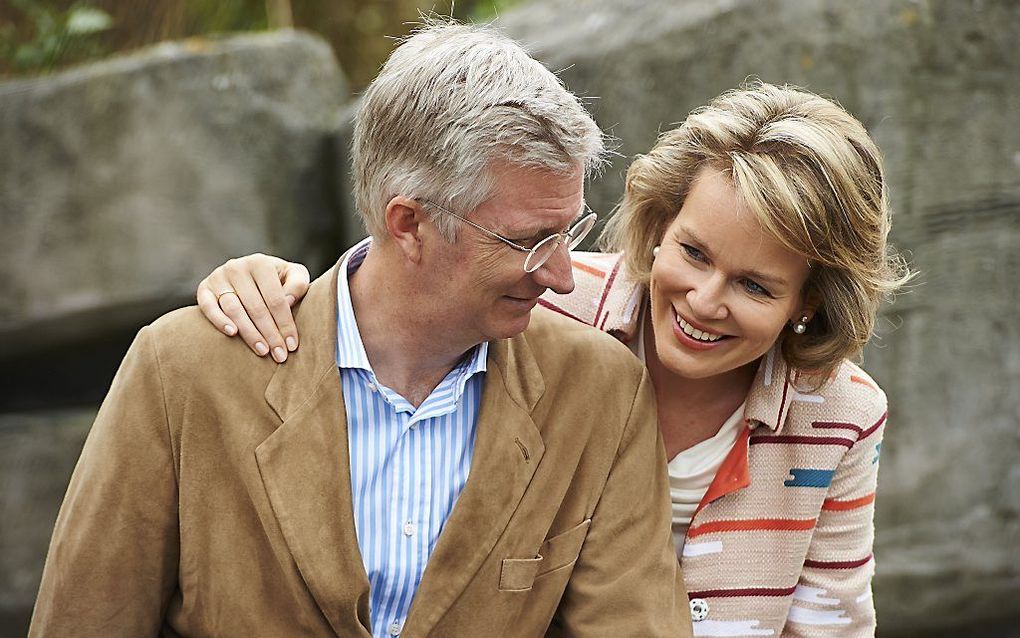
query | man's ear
(405,219)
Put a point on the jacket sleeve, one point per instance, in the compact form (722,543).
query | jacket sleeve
(627,580)
(833,595)
(112,562)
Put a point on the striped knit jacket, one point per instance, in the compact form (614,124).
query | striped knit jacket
(781,544)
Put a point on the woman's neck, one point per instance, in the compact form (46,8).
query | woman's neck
(693,410)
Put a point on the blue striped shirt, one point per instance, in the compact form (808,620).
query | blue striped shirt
(408,466)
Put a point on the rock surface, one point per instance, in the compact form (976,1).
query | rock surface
(125,181)
(121,184)
(938,84)
(37,455)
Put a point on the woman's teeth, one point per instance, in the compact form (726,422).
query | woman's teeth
(700,335)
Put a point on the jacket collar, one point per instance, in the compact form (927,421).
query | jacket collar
(508,450)
(305,469)
(772,391)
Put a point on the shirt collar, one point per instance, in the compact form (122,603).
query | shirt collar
(350,349)
(771,392)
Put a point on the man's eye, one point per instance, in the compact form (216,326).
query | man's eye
(693,252)
(528,242)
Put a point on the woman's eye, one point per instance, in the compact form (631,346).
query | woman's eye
(693,252)
(756,289)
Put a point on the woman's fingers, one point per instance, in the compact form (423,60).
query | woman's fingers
(209,304)
(265,273)
(294,279)
(248,308)
(252,296)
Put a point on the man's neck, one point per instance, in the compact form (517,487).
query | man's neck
(407,353)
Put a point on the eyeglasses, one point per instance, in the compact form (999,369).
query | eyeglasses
(544,249)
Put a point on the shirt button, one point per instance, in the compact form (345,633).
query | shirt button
(394,629)
(699,609)
(371,386)
(408,528)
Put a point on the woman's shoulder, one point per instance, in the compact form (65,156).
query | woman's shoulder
(851,394)
(603,296)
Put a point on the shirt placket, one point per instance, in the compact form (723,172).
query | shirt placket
(397,560)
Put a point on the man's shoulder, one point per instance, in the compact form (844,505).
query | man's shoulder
(186,344)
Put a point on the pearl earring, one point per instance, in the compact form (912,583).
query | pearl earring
(655,252)
(801,326)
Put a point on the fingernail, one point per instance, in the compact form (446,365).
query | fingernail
(261,348)
(291,344)
(279,354)
(290,300)
(230,330)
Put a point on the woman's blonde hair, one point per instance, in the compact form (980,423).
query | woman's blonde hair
(812,177)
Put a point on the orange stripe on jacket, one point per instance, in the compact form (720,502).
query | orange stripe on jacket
(861,380)
(588,269)
(832,505)
(778,524)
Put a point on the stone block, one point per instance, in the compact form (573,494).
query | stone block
(38,451)
(126,180)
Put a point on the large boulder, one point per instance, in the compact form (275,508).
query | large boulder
(124,181)
(938,85)
(37,454)
(121,184)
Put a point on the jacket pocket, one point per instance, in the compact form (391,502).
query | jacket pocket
(519,574)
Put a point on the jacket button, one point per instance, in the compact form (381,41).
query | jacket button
(699,609)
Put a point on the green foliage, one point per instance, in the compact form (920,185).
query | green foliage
(225,15)
(56,36)
(37,36)
(486,10)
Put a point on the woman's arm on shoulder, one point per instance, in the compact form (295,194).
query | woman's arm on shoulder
(252,296)
(833,595)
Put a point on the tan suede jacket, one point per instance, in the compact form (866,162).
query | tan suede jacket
(212,497)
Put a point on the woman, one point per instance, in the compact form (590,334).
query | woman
(754,260)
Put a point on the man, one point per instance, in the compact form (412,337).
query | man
(436,460)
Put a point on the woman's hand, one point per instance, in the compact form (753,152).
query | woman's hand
(253,295)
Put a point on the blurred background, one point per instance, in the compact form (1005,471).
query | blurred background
(144,142)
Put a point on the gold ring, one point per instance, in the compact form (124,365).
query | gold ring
(225,292)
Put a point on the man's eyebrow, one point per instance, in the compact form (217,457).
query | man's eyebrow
(750,273)
(542,233)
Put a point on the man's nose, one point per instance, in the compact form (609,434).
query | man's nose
(556,273)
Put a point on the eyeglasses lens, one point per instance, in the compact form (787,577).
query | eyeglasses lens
(545,248)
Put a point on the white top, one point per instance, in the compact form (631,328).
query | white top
(692,471)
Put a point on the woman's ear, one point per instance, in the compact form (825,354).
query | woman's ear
(812,301)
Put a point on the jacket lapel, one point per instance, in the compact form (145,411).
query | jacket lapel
(508,449)
(305,467)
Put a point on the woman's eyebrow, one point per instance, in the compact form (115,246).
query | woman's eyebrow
(749,273)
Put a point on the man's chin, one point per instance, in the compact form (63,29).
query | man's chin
(509,327)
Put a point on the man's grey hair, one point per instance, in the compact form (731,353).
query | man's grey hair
(451,100)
